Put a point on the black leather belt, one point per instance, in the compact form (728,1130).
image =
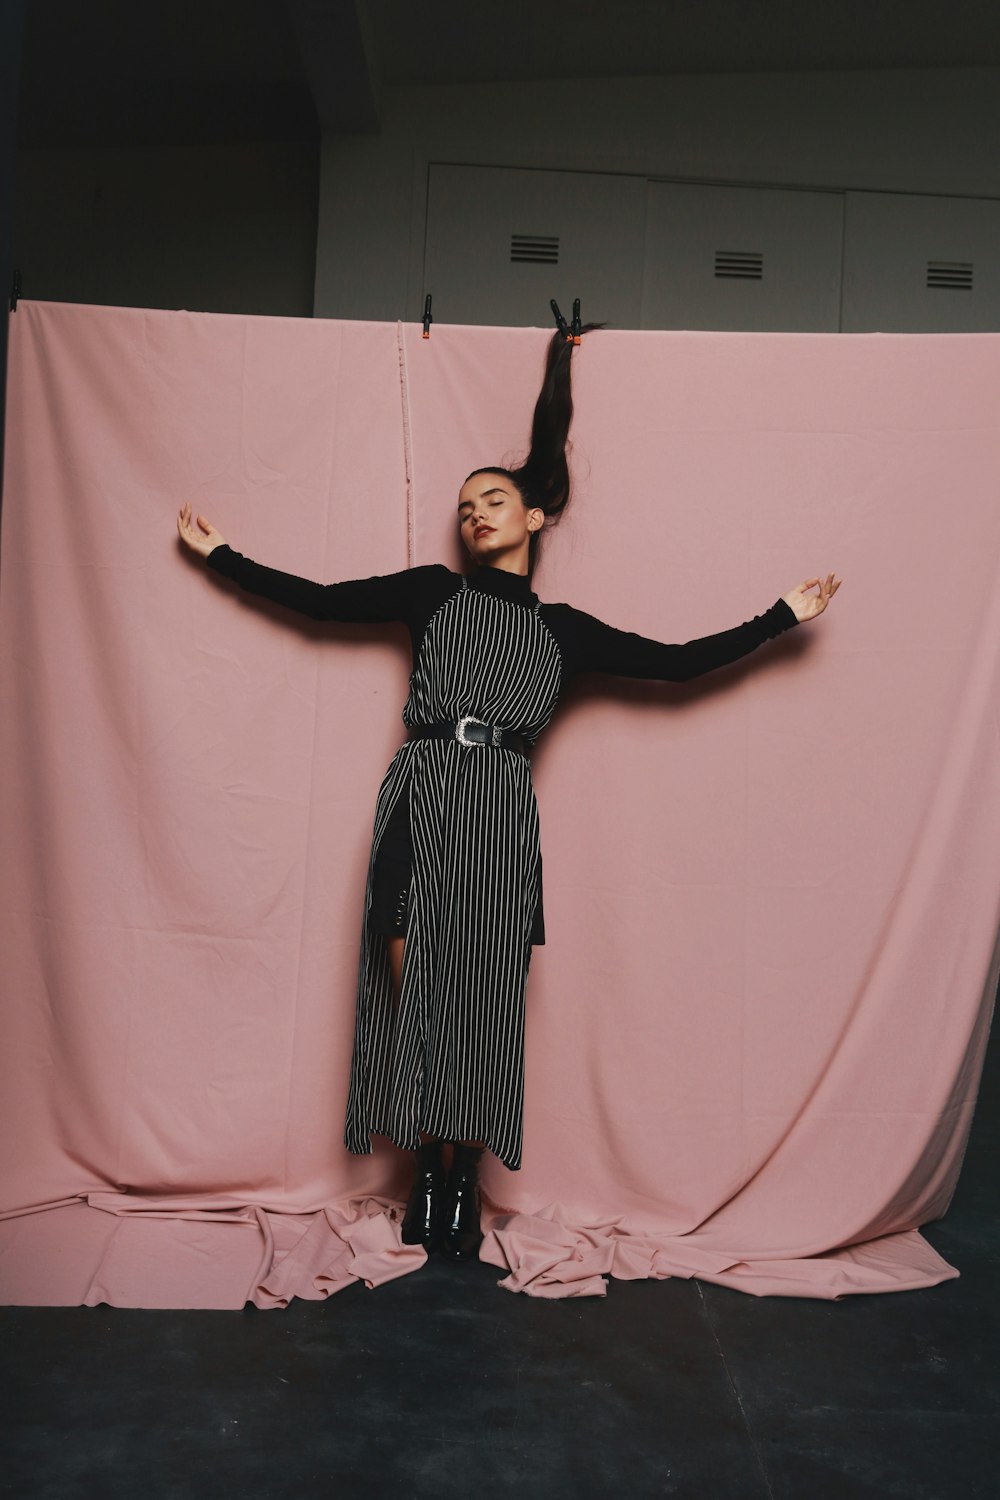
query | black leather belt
(469,731)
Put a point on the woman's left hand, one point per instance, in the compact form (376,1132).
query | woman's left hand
(807,606)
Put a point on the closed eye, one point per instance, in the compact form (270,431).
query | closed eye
(501,496)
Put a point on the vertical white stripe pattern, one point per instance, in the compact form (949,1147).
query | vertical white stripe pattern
(452,1062)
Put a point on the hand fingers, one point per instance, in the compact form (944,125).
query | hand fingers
(827,588)
(829,585)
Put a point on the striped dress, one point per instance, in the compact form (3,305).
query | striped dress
(456,834)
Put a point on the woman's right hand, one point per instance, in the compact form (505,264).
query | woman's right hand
(203,541)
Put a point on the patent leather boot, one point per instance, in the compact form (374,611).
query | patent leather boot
(461,1235)
(423,1209)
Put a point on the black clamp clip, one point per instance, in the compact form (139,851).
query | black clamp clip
(572,334)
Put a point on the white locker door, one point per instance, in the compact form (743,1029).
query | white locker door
(915,264)
(760,259)
(501,241)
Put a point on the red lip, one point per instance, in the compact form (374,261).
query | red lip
(481,529)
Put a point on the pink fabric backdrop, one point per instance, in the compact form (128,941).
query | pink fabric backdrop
(756,1031)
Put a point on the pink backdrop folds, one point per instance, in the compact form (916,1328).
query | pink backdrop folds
(756,1031)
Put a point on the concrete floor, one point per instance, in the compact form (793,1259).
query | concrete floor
(440,1384)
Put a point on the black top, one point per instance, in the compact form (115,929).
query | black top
(586,644)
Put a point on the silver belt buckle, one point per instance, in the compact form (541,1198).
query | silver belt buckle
(460,729)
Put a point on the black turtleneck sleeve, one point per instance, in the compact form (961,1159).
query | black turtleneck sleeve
(386,596)
(589,645)
(411,595)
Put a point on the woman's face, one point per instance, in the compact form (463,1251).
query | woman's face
(493,519)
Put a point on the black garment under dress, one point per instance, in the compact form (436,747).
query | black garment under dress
(455,853)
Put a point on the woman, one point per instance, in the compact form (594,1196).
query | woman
(453,898)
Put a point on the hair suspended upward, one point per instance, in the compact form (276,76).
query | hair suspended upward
(543,478)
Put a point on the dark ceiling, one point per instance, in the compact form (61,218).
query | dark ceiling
(454,41)
(158,72)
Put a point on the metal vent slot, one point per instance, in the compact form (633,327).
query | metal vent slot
(747,265)
(953,274)
(535,249)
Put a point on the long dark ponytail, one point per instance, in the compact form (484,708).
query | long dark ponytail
(543,478)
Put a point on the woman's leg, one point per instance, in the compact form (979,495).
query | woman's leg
(394,946)
(441,1211)
(422,1218)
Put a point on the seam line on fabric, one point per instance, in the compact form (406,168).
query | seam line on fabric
(296,987)
(404,403)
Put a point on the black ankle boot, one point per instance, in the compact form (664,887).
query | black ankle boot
(423,1209)
(461,1236)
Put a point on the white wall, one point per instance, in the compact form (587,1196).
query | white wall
(917,131)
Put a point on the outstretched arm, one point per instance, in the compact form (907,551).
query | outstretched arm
(383,597)
(601,648)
